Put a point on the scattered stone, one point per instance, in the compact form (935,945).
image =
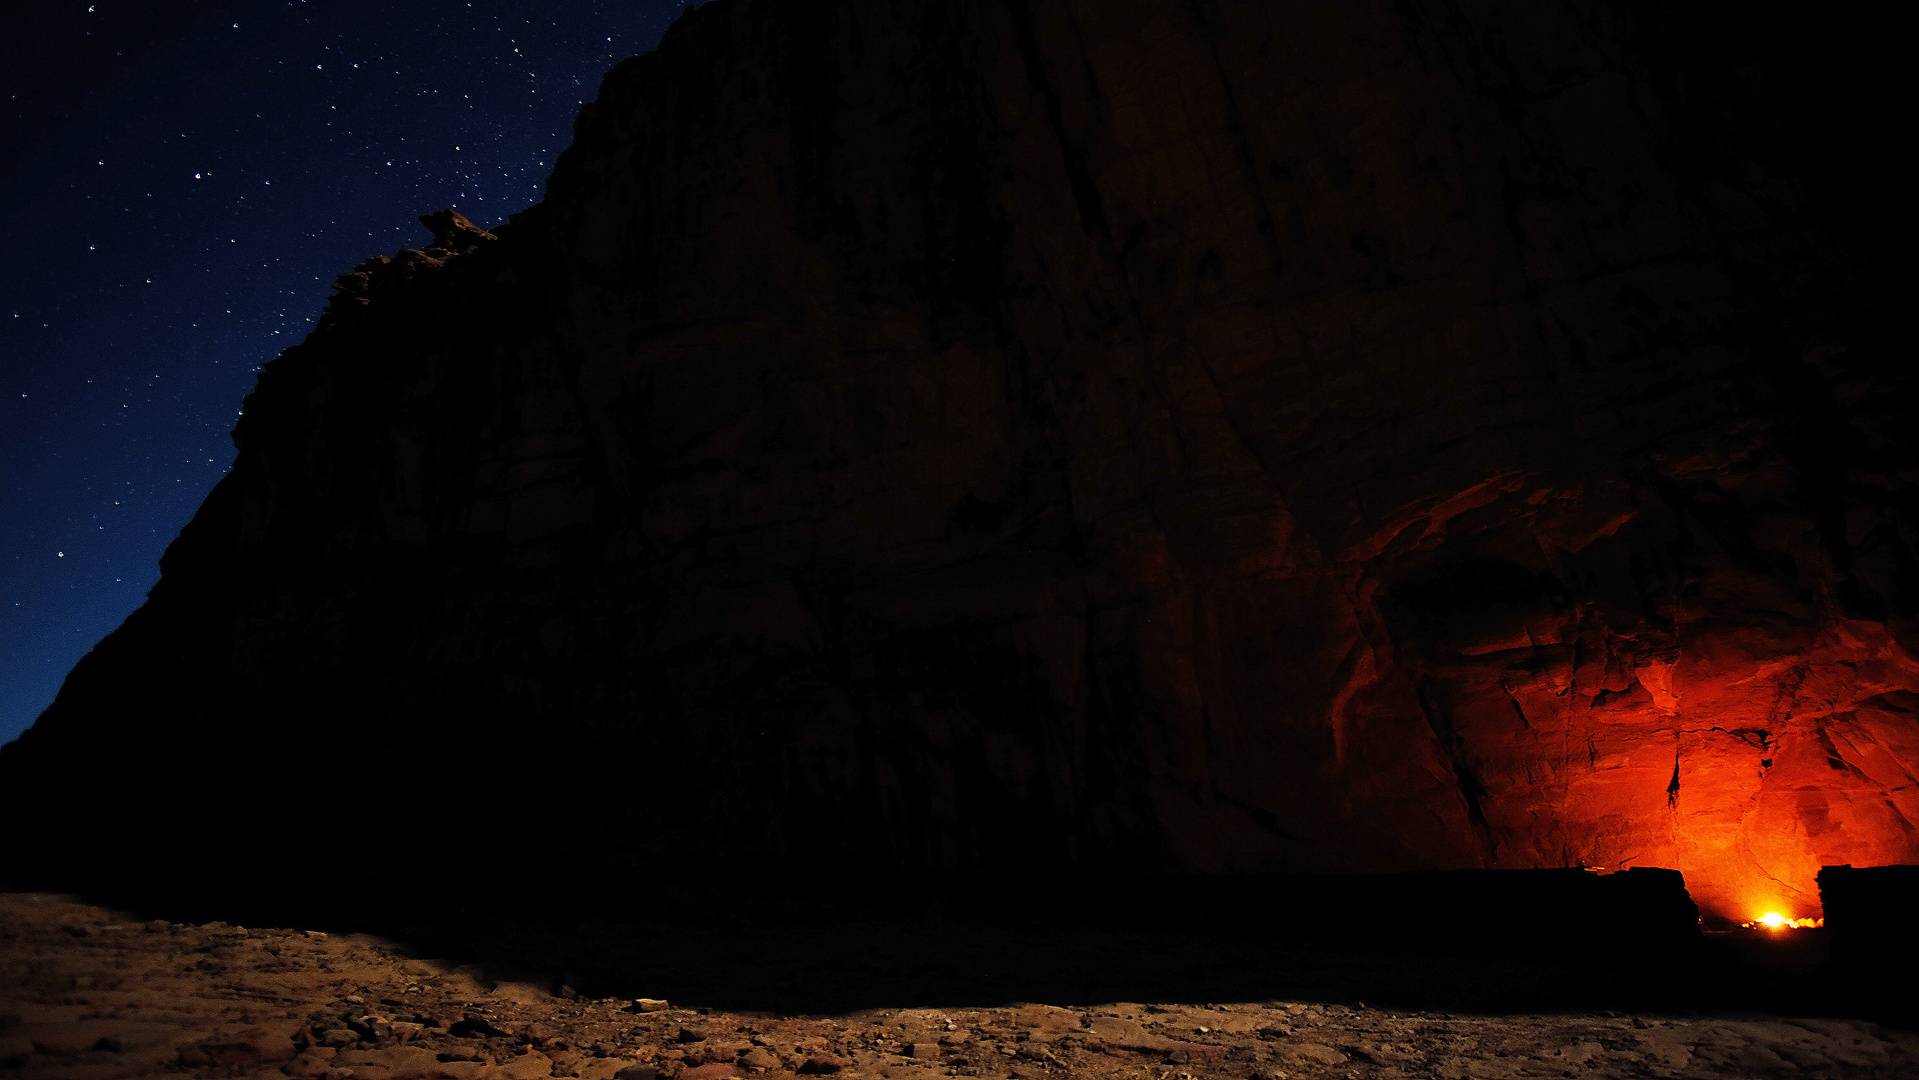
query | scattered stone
(49,1031)
(531,1065)
(309,1064)
(648,1005)
(520,993)
(400,1062)
(1760,1058)
(62,1040)
(761,1058)
(1318,1053)
(121,1037)
(476,1027)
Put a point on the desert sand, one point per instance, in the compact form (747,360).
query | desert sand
(90,992)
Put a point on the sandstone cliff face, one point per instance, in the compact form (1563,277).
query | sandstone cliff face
(988,434)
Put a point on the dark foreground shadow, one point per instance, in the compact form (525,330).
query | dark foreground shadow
(1401,943)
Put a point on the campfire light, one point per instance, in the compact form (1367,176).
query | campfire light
(1772,920)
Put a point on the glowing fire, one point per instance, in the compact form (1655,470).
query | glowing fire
(1772,920)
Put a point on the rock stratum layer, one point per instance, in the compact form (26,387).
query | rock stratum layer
(1008,436)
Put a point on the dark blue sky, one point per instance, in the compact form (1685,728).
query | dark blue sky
(180,182)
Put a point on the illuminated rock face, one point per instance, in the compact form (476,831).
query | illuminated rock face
(1213,436)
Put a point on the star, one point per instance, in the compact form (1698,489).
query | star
(211,95)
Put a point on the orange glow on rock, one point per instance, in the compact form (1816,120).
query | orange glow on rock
(1744,759)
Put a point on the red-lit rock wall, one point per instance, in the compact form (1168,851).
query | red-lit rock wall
(1217,436)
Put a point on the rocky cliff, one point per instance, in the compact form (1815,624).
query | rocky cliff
(1025,436)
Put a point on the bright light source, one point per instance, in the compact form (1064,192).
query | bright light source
(1773,920)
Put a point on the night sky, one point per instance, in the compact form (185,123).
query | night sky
(180,182)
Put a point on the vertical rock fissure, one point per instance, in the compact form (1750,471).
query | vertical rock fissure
(1472,790)
(1236,127)
(1092,211)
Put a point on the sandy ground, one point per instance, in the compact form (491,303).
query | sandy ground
(90,992)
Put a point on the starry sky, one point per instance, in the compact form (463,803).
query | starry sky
(180,182)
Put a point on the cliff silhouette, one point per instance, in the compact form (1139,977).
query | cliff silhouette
(1021,440)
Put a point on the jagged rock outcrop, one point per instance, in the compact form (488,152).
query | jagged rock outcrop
(1025,436)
